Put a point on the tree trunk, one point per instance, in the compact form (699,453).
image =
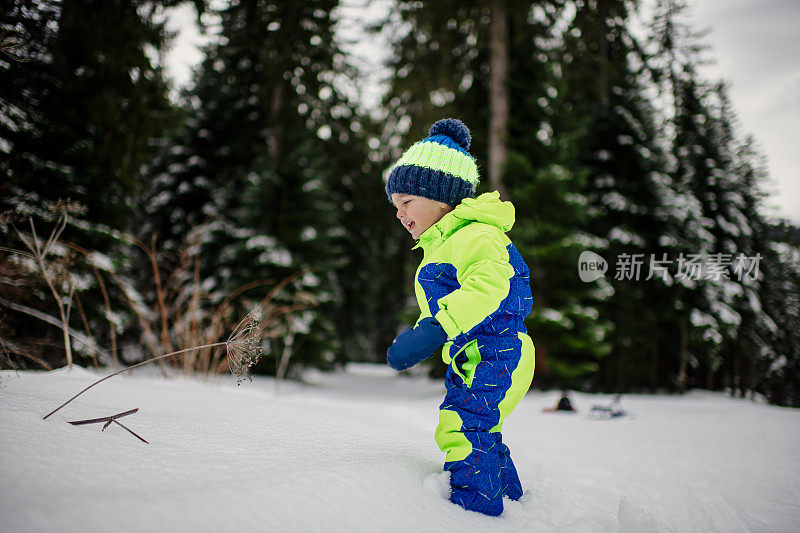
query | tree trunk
(275,140)
(602,65)
(498,96)
(61,63)
(710,378)
(654,367)
(684,355)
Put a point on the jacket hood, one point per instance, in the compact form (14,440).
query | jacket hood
(486,208)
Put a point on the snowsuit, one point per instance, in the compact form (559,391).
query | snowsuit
(474,282)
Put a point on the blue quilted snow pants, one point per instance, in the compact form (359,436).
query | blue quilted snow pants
(485,381)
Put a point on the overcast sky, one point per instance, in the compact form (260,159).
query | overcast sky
(757,47)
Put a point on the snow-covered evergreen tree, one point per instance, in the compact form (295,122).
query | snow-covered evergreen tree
(259,164)
(82,98)
(776,333)
(626,189)
(727,339)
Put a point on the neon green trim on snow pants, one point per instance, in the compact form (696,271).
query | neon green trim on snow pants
(449,433)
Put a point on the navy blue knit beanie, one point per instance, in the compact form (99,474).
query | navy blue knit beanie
(438,167)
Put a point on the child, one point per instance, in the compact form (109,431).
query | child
(473,290)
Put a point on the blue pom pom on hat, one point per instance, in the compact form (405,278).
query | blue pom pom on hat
(453,129)
(438,167)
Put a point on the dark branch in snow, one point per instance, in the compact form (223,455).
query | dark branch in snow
(109,420)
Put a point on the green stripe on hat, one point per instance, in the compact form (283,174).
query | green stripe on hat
(443,158)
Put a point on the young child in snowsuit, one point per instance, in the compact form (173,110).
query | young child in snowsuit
(474,293)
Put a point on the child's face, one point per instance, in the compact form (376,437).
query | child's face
(417,213)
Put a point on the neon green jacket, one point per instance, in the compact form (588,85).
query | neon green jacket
(472,280)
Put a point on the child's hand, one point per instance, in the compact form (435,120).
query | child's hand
(416,344)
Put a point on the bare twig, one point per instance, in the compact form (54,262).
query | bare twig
(111,420)
(103,418)
(126,428)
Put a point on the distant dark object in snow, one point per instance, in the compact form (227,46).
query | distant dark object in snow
(564,404)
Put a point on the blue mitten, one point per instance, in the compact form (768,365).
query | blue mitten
(416,344)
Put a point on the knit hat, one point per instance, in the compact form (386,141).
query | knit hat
(438,167)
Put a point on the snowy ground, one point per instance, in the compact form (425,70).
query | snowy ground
(355,452)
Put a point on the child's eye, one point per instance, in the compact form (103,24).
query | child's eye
(406,202)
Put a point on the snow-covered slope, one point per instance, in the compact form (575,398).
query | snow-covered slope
(355,452)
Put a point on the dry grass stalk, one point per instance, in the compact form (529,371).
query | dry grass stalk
(106,302)
(180,316)
(39,252)
(8,348)
(86,328)
(182,299)
(243,347)
(183,318)
(10,48)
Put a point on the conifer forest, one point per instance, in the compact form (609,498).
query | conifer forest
(140,218)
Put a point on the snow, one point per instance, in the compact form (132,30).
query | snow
(100,261)
(354,451)
(260,241)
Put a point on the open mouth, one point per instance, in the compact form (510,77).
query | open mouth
(409,225)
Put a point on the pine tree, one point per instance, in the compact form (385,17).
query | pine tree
(702,153)
(717,217)
(261,161)
(28,35)
(777,352)
(626,188)
(546,184)
(82,99)
(85,101)
(754,343)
